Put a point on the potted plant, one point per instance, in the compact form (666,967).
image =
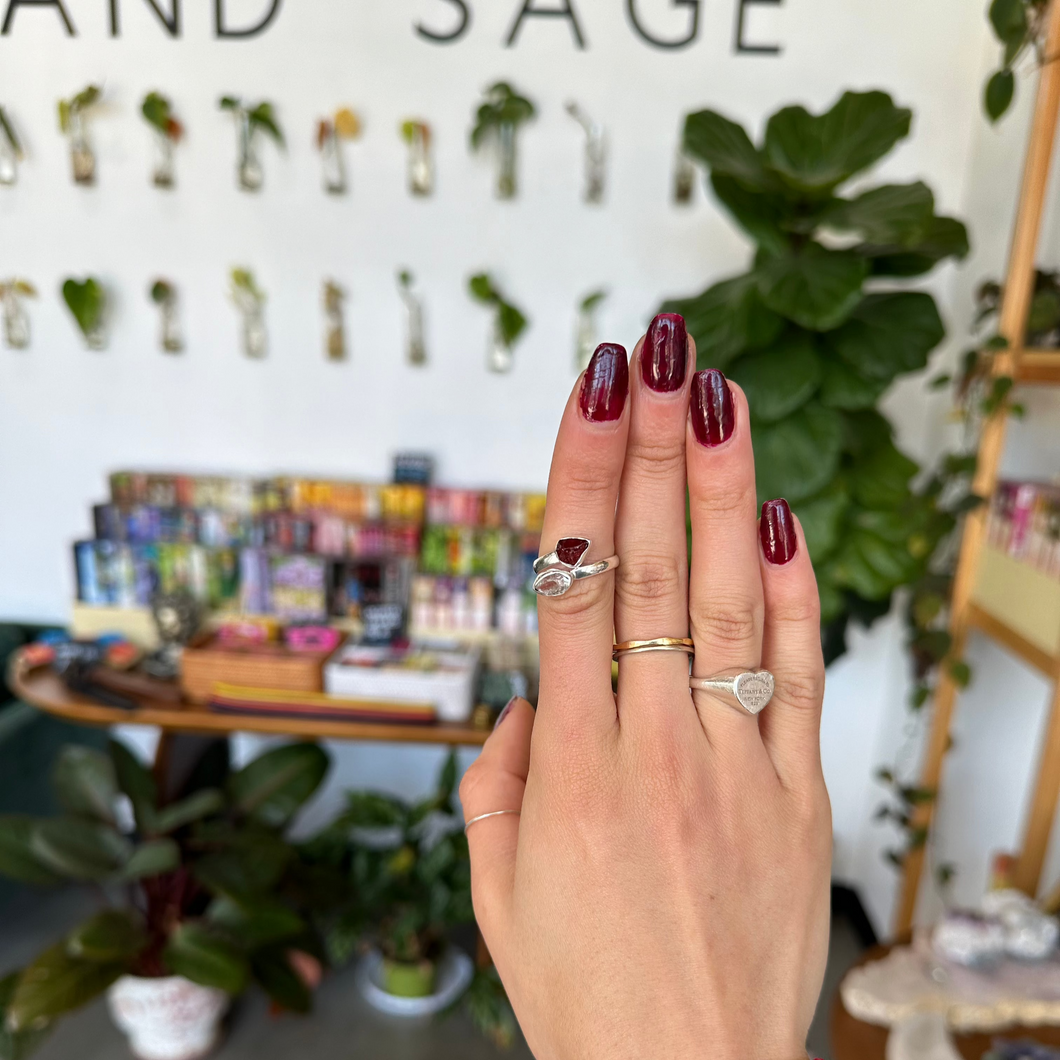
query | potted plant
(10,150)
(250,301)
(408,879)
(158,113)
(417,135)
(498,119)
(250,120)
(164,295)
(72,113)
(201,895)
(508,322)
(344,125)
(87,301)
(15,317)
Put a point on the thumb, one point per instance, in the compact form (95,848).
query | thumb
(495,781)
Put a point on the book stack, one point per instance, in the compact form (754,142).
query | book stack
(1024,523)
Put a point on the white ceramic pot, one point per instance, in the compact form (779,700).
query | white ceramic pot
(454,975)
(167,1019)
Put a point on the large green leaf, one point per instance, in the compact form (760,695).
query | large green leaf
(780,379)
(1009,19)
(86,300)
(816,153)
(370,809)
(727,319)
(274,786)
(84,784)
(280,981)
(843,388)
(255,922)
(203,803)
(17,858)
(136,781)
(873,567)
(251,863)
(80,849)
(815,287)
(940,238)
(759,215)
(889,333)
(864,431)
(881,479)
(17,1045)
(822,520)
(891,213)
(113,935)
(726,148)
(202,955)
(56,983)
(798,456)
(152,859)
(999,92)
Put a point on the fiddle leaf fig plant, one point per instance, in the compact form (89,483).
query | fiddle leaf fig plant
(212,889)
(1019,26)
(818,328)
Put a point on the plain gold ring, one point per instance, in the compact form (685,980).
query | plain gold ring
(633,647)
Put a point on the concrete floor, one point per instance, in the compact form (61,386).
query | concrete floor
(343,1024)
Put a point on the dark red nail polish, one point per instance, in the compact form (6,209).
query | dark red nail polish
(606,383)
(505,712)
(777,531)
(713,412)
(664,355)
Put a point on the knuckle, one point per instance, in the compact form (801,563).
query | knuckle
(722,499)
(656,457)
(645,579)
(472,782)
(797,610)
(588,483)
(802,690)
(726,622)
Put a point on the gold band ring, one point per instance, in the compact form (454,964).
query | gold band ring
(633,647)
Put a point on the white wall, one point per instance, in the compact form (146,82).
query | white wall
(68,416)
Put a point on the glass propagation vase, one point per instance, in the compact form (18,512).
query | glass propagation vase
(415,345)
(8,161)
(500,356)
(684,178)
(420,170)
(164,173)
(15,322)
(82,158)
(249,172)
(170,337)
(507,180)
(334,167)
(255,337)
(584,340)
(96,336)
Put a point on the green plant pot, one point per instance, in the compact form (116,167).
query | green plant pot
(407,979)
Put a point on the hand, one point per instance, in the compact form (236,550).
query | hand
(664,891)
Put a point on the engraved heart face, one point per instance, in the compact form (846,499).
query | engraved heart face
(754,690)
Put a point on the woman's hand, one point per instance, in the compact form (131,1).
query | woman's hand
(664,892)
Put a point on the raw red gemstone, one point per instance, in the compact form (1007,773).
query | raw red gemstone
(571,549)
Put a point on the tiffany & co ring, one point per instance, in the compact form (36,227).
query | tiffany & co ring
(752,689)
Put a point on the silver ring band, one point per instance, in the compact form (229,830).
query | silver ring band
(483,816)
(557,571)
(752,689)
(635,647)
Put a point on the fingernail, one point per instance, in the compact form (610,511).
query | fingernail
(777,531)
(713,413)
(504,713)
(605,384)
(664,355)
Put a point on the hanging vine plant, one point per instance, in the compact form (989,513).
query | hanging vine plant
(1020,27)
(818,329)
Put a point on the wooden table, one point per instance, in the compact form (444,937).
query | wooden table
(854,1040)
(43,689)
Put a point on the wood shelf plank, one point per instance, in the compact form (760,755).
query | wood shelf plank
(1039,366)
(997,630)
(44,690)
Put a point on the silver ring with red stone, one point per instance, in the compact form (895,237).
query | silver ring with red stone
(556,572)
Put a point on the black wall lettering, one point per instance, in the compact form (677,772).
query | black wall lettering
(171,21)
(741,44)
(456,34)
(222,30)
(528,9)
(14,5)
(657,42)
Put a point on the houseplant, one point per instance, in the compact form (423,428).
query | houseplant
(343,125)
(1019,26)
(498,119)
(72,113)
(249,299)
(158,113)
(817,330)
(508,322)
(202,895)
(251,120)
(164,295)
(87,301)
(409,885)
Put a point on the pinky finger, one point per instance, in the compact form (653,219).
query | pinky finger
(791,649)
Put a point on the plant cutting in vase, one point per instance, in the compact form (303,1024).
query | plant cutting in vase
(10,150)
(158,112)
(409,884)
(164,295)
(202,895)
(595,153)
(13,311)
(585,332)
(72,123)
(249,299)
(417,134)
(249,172)
(815,350)
(335,343)
(1020,27)
(87,301)
(498,119)
(415,344)
(345,125)
(508,322)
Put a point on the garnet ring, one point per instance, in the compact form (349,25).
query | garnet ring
(752,689)
(555,573)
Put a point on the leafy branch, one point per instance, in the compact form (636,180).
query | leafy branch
(260,116)
(77,105)
(511,322)
(1020,27)
(158,112)
(502,106)
(245,291)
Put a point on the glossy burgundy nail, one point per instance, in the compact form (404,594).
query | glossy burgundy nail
(777,531)
(664,355)
(605,384)
(713,411)
(505,712)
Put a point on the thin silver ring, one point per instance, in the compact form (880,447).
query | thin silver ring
(751,689)
(492,813)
